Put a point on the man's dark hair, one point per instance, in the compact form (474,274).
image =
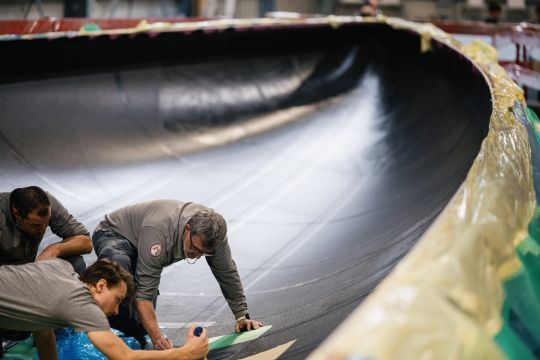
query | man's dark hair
(210,225)
(110,271)
(28,199)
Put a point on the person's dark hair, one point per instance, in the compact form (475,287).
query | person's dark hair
(110,271)
(366,10)
(28,199)
(210,225)
(493,6)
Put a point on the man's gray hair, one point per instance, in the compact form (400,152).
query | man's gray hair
(210,225)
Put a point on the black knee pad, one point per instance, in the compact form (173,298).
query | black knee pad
(122,259)
(14,335)
(77,262)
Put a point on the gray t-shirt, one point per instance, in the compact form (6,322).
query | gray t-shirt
(155,228)
(47,295)
(16,248)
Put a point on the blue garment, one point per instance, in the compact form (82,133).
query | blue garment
(266,6)
(184,7)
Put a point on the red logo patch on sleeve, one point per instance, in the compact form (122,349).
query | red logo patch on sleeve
(155,250)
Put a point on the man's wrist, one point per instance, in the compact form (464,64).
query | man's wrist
(54,250)
(245,317)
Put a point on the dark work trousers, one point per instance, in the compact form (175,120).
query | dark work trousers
(79,266)
(77,262)
(112,246)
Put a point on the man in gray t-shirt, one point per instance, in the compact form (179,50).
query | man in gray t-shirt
(48,294)
(25,214)
(144,238)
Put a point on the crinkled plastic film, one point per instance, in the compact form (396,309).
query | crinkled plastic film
(73,345)
(444,299)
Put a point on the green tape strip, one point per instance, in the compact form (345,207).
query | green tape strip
(532,117)
(234,338)
(531,114)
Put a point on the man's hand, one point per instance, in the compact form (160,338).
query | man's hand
(247,324)
(162,343)
(51,251)
(196,346)
(147,316)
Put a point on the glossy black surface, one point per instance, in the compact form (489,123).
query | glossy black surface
(319,210)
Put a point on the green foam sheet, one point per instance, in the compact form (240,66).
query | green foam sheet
(234,338)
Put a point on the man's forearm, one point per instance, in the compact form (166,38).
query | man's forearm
(148,318)
(75,245)
(224,269)
(115,349)
(172,354)
(46,344)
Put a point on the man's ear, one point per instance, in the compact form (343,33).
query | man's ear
(101,285)
(15,213)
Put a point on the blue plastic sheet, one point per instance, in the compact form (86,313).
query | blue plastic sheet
(72,345)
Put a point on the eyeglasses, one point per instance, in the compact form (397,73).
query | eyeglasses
(198,251)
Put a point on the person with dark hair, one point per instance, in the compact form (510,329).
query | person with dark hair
(25,214)
(48,294)
(369,8)
(147,237)
(494,13)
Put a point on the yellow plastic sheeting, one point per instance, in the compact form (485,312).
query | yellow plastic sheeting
(206,25)
(443,301)
(428,30)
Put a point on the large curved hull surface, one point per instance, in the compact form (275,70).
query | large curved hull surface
(358,140)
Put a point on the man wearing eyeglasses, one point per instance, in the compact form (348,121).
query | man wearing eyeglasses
(144,238)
